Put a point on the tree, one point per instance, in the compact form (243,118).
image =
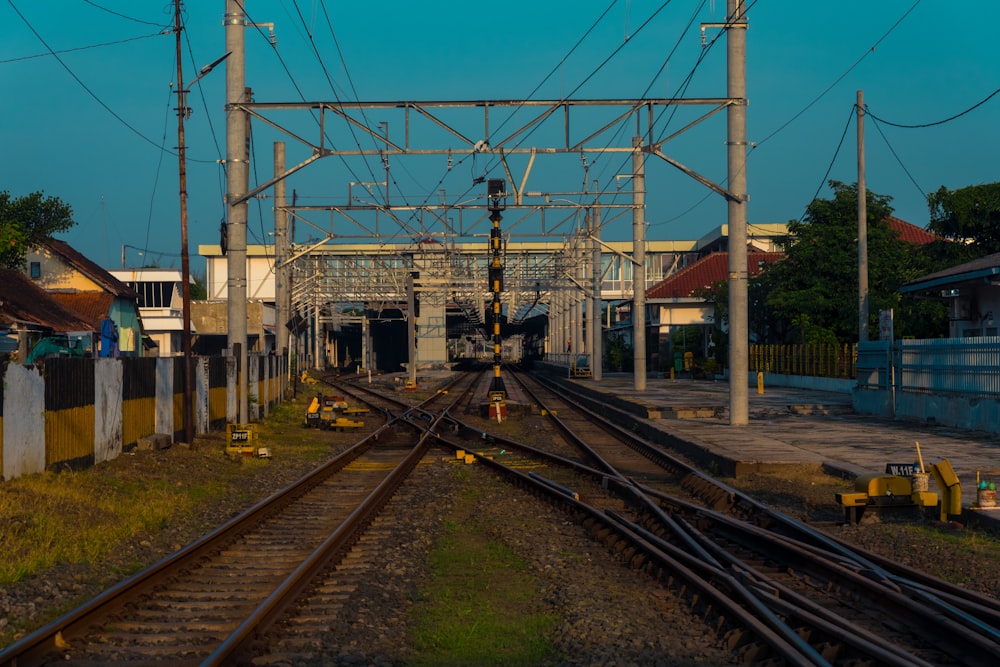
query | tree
(969,215)
(813,292)
(27,221)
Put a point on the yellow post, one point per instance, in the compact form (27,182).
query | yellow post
(760,382)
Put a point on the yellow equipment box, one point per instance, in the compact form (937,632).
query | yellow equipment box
(342,423)
(241,440)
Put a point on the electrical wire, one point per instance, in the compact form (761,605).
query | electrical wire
(895,155)
(156,176)
(123,16)
(211,125)
(291,77)
(840,78)
(558,65)
(81,48)
(937,122)
(829,168)
(90,92)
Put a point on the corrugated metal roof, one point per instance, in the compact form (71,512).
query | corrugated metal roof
(987,267)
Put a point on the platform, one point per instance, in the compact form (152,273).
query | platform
(794,427)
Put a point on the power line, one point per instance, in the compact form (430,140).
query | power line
(82,84)
(83,48)
(895,155)
(123,16)
(829,168)
(840,78)
(937,122)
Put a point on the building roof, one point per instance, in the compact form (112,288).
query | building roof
(911,233)
(706,271)
(984,269)
(91,306)
(23,302)
(88,268)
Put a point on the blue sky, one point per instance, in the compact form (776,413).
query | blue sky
(96,126)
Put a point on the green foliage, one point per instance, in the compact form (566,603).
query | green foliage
(969,215)
(25,221)
(198,290)
(813,293)
(617,353)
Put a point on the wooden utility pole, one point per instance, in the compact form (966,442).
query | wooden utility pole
(188,396)
(863,304)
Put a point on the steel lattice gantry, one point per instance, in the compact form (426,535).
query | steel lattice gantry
(364,245)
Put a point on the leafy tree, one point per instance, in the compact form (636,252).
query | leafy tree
(26,221)
(813,292)
(969,215)
(198,290)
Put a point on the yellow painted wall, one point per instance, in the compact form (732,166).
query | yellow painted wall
(56,274)
(138,419)
(69,434)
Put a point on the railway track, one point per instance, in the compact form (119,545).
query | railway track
(784,592)
(267,586)
(212,602)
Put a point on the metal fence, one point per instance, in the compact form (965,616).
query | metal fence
(965,366)
(832,361)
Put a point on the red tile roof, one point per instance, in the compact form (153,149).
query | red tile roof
(911,233)
(706,271)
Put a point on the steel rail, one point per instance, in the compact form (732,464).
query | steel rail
(708,596)
(238,644)
(37,646)
(969,635)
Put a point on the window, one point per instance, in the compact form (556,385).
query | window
(36,270)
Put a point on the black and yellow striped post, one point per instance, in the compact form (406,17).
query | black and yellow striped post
(496,191)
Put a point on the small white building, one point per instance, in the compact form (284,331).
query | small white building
(160,305)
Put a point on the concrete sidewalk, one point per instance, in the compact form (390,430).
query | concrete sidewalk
(793,426)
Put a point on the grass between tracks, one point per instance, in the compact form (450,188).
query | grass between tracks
(104,521)
(481,605)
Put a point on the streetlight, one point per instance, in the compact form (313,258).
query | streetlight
(182,113)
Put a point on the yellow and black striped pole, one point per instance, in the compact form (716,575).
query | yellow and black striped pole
(496,194)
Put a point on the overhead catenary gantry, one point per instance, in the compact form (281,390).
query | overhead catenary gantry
(462,130)
(432,128)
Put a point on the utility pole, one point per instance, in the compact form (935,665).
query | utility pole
(237,184)
(737,212)
(863,304)
(639,265)
(596,345)
(183,112)
(187,399)
(281,269)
